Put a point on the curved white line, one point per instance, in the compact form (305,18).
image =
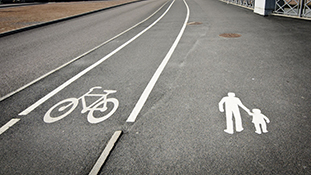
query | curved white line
(78,57)
(71,80)
(154,79)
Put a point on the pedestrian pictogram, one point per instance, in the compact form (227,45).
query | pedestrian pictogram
(232,105)
(259,119)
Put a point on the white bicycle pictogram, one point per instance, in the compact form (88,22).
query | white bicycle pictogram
(68,105)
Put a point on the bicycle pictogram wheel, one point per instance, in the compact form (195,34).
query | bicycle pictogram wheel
(71,103)
(94,120)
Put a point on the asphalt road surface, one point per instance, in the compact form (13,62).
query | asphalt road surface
(168,75)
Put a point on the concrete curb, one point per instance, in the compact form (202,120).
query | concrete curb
(60,20)
(19,5)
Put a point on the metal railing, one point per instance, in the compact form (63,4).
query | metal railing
(307,9)
(299,8)
(246,3)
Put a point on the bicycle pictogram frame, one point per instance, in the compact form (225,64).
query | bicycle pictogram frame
(99,105)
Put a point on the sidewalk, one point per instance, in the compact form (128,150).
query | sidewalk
(14,18)
(268,67)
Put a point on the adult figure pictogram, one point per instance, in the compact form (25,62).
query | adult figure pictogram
(232,105)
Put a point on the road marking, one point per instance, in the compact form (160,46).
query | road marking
(78,57)
(68,82)
(101,160)
(232,104)
(70,104)
(8,125)
(154,79)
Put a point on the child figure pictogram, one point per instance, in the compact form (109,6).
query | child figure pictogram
(259,119)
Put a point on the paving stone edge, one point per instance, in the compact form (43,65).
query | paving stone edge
(60,20)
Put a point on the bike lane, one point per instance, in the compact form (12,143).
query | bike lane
(72,145)
(15,105)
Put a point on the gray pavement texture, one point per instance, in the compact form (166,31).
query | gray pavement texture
(268,68)
(20,66)
(180,129)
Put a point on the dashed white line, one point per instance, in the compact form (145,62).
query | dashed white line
(8,125)
(157,74)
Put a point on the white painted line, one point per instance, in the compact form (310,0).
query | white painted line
(101,160)
(68,82)
(8,125)
(78,57)
(157,74)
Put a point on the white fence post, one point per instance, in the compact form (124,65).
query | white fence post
(264,7)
